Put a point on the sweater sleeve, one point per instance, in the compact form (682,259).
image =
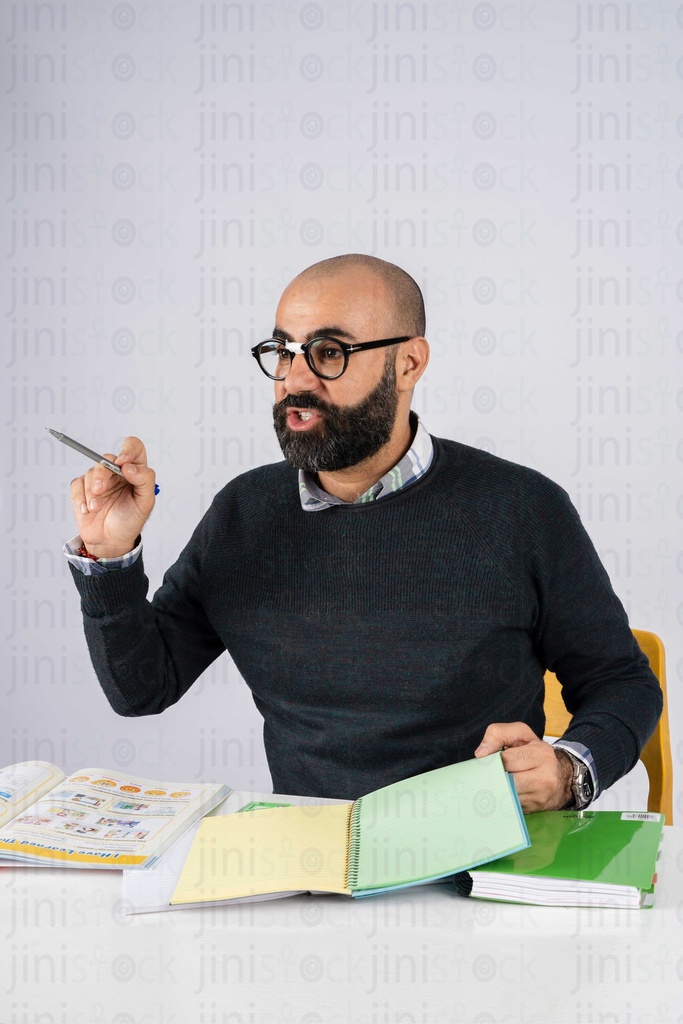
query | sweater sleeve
(584,637)
(147,654)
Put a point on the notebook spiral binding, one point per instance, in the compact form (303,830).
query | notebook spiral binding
(353,845)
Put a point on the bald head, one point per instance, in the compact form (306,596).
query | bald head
(404,292)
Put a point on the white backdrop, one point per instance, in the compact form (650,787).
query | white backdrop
(169,167)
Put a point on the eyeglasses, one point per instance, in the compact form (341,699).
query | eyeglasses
(326,357)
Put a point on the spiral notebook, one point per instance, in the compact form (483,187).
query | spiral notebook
(419,830)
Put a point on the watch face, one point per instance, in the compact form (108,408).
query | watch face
(583,785)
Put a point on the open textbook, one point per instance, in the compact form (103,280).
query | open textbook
(419,830)
(576,859)
(94,818)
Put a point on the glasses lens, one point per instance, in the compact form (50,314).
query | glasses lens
(274,358)
(327,357)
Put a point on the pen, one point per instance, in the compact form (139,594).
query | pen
(85,451)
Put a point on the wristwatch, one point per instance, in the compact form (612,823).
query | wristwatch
(582,782)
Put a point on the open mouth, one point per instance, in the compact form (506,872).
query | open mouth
(302,419)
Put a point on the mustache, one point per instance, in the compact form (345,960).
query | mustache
(303,401)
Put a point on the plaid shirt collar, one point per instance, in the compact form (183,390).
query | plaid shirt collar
(412,466)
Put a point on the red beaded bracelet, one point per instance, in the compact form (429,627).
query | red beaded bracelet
(86,554)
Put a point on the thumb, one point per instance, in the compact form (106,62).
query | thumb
(142,480)
(491,741)
(141,476)
(504,734)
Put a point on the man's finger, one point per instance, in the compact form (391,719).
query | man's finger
(132,451)
(525,757)
(504,734)
(78,495)
(101,478)
(142,478)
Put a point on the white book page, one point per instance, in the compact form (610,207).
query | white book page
(22,784)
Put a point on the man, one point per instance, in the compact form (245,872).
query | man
(393,605)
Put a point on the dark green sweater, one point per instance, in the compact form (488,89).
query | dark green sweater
(380,640)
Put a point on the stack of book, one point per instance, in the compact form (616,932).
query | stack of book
(460,824)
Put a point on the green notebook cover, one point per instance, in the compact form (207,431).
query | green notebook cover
(600,848)
(431,826)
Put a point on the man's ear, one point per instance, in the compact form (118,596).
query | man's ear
(411,362)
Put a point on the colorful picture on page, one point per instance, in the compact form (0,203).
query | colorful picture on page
(118,823)
(119,833)
(67,812)
(88,801)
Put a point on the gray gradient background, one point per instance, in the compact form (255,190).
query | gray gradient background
(442,137)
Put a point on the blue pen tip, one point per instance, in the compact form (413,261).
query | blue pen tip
(156,489)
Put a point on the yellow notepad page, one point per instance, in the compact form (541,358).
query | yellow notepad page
(286,849)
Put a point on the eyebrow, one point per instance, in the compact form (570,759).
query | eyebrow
(320,332)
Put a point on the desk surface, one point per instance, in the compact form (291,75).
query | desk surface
(71,955)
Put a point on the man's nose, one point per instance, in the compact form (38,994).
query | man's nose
(300,377)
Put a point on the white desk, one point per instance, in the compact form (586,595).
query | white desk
(70,956)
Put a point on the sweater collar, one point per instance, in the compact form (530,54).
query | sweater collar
(410,468)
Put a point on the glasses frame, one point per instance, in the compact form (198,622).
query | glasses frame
(293,348)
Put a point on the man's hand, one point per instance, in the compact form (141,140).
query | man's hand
(111,510)
(543,776)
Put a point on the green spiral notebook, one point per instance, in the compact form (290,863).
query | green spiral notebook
(419,830)
(578,859)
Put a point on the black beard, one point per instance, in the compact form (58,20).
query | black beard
(348,434)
